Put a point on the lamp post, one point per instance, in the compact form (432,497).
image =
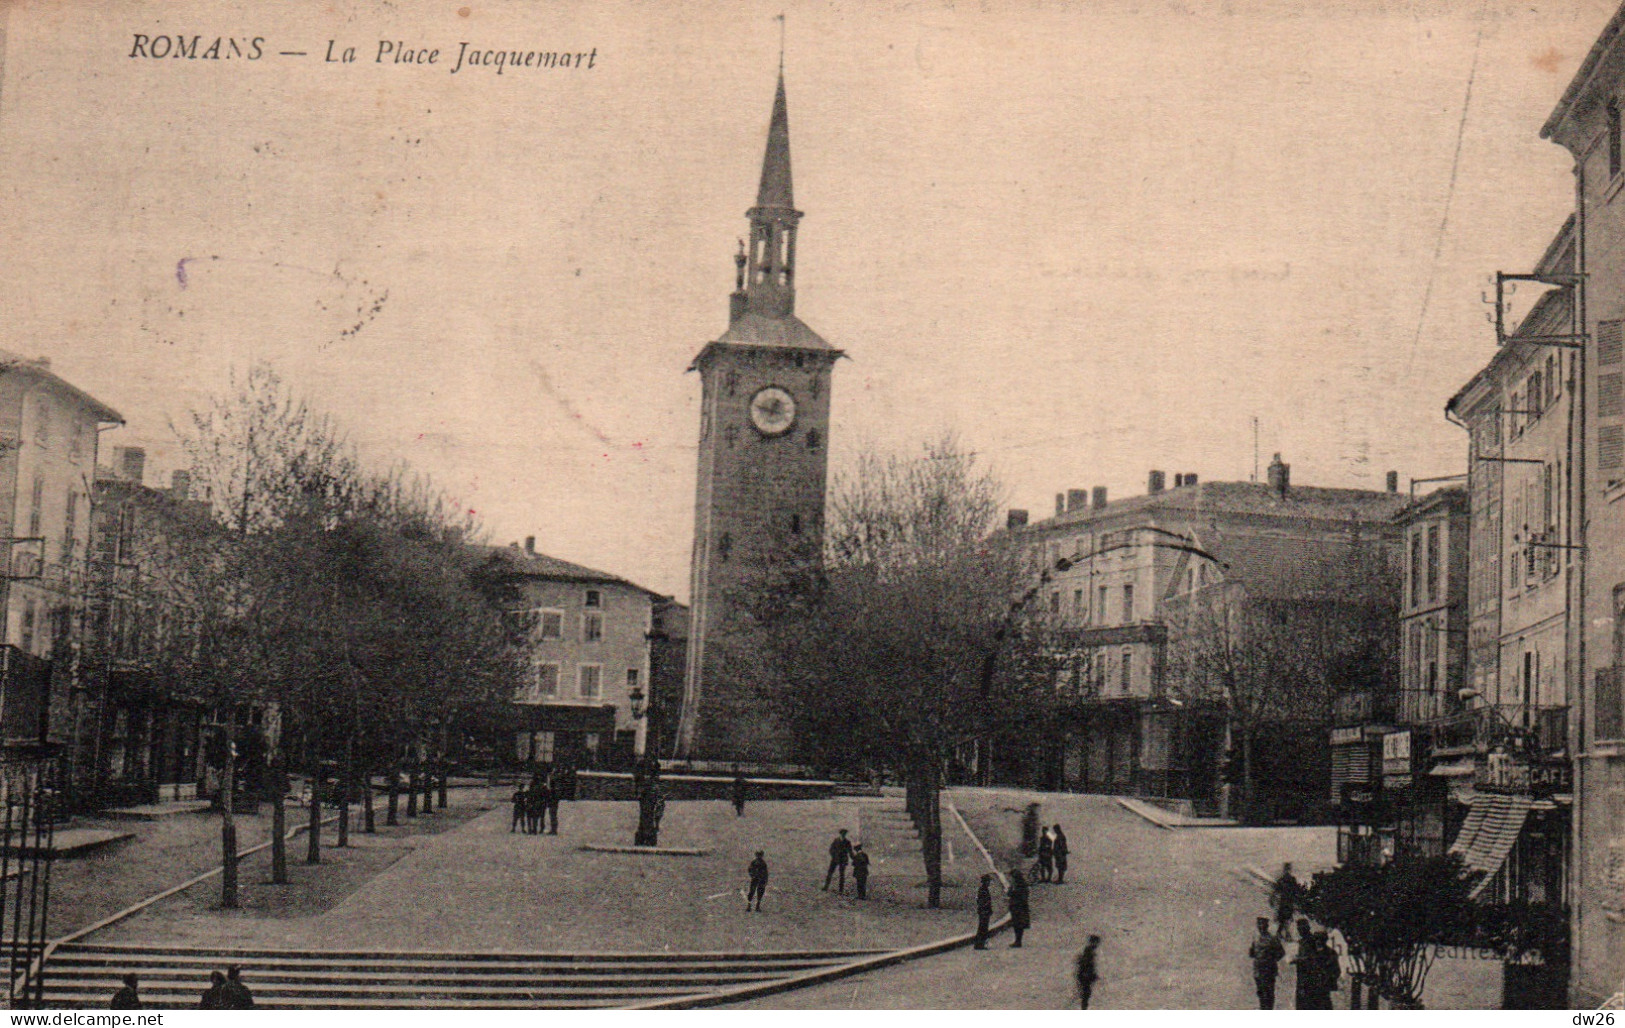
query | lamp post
(637,701)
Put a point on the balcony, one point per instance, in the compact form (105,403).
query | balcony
(1542,730)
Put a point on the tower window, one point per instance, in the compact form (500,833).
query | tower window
(795,524)
(816,385)
(813,439)
(731,381)
(725,546)
(731,435)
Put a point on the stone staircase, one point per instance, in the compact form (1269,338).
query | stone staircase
(82,975)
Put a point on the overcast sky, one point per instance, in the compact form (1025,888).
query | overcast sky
(1093,239)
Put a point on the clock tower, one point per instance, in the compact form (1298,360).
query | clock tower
(763,461)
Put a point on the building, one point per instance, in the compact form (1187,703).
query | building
(138,736)
(46,471)
(1135,590)
(762,468)
(1587,123)
(588,634)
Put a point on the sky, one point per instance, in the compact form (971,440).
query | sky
(1090,239)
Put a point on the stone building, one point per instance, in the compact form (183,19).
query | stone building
(1123,584)
(588,634)
(762,469)
(51,430)
(1587,123)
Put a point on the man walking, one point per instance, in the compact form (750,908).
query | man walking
(1266,953)
(840,854)
(554,786)
(1284,895)
(758,882)
(518,812)
(740,786)
(1020,910)
(984,911)
(1086,971)
(1059,851)
(860,870)
(1046,855)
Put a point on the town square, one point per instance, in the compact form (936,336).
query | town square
(1126,518)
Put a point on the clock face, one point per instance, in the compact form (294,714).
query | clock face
(772,411)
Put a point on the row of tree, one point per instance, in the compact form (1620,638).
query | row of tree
(336,604)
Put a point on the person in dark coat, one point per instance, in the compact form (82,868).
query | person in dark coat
(1266,953)
(535,803)
(840,854)
(1284,896)
(211,995)
(1311,991)
(860,870)
(758,881)
(1020,911)
(740,787)
(1060,851)
(984,911)
(519,806)
(234,995)
(1086,971)
(556,784)
(1328,972)
(129,997)
(1046,856)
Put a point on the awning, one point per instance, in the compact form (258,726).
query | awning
(1459,768)
(1491,830)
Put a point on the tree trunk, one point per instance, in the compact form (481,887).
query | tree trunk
(412,789)
(279,825)
(313,852)
(392,818)
(343,785)
(933,848)
(445,774)
(228,819)
(371,827)
(428,787)
(1247,812)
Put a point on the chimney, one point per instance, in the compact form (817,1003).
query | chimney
(530,545)
(180,485)
(1280,476)
(1077,499)
(1154,483)
(132,463)
(1190,478)
(1393,481)
(1060,504)
(1017,519)
(1100,497)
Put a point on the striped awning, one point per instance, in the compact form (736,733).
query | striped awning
(1490,831)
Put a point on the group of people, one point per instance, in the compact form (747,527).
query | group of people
(225,992)
(843,851)
(1052,854)
(1319,968)
(536,805)
(1018,901)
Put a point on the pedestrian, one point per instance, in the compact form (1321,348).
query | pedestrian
(535,803)
(984,911)
(555,790)
(234,995)
(1266,953)
(1060,851)
(1308,989)
(840,853)
(1087,972)
(1328,972)
(1046,855)
(518,811)
(740,786)
(1284,896)
(129,997)
(211,995)
(860,870)
(1020,911)
(758,881)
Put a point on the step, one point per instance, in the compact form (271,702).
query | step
(496,973)
(327,957)
(426,981)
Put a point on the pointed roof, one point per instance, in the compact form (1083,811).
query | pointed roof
(775,189)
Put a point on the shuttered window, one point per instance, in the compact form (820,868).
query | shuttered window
(1609,720)
(1610,399)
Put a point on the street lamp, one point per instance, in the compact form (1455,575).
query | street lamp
(637,701)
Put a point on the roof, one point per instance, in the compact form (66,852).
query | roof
(522,564)
(786,333)
(1583,76)
(12,362)
(775,188)
(1314,502)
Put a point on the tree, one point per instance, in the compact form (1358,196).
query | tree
(1393,916)
(884,645)
(1276,658)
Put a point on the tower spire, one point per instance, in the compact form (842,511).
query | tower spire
(769,283)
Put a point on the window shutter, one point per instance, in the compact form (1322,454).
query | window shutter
(1610,399)
(1609,720)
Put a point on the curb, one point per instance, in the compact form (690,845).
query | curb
(645,851)
(1143,812)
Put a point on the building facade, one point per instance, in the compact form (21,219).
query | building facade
(1131,588)
(1587,123)
(588,635)
(762,468)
